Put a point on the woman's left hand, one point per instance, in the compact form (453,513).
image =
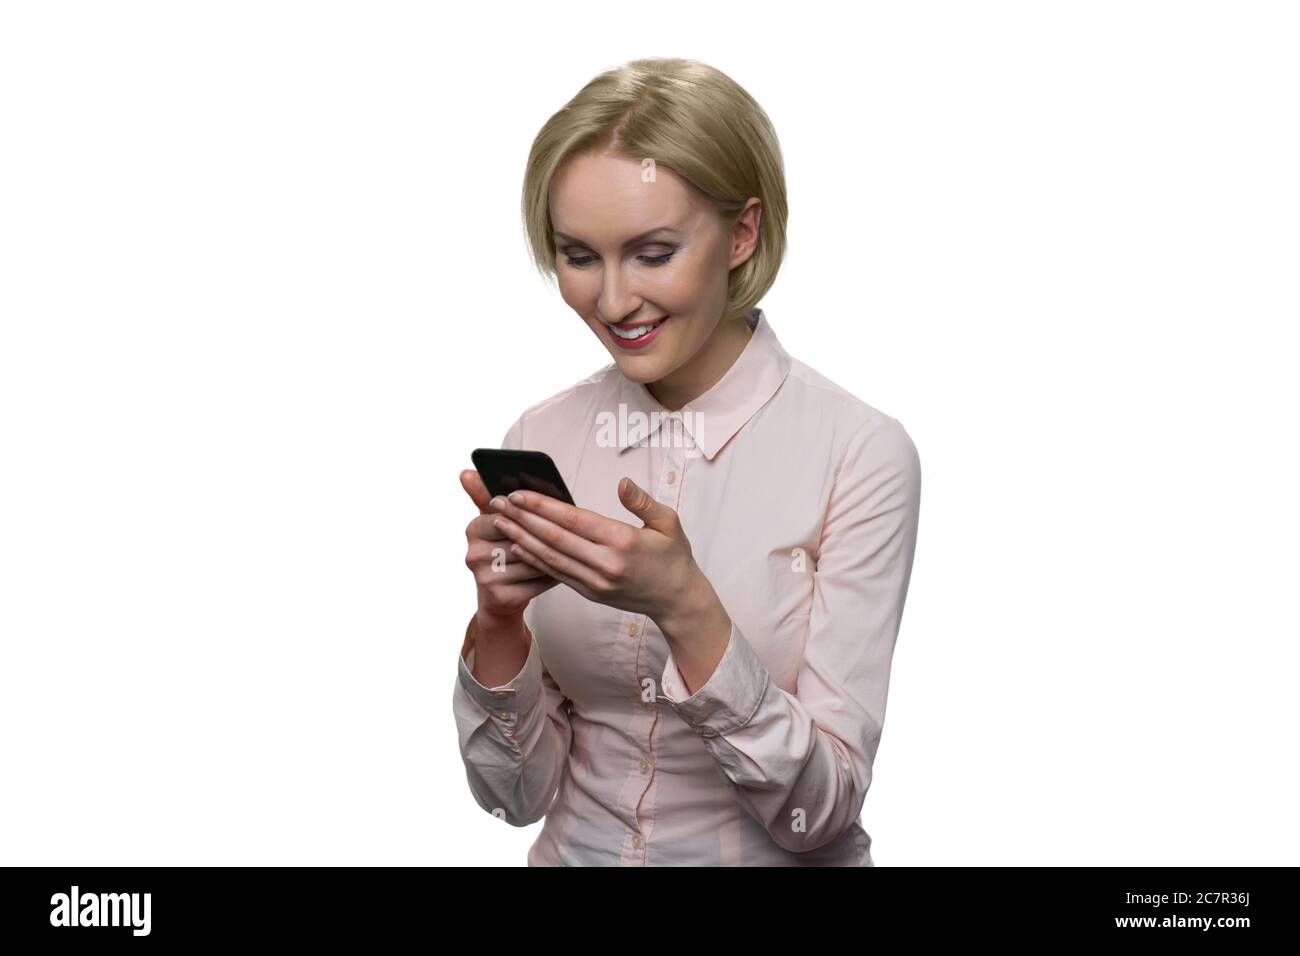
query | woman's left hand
(647,570)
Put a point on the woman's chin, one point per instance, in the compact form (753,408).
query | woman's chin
(638,369)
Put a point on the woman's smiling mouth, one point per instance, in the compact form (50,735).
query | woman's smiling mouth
(638,337)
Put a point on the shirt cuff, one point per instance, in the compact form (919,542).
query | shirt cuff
(509,699)
(729,698)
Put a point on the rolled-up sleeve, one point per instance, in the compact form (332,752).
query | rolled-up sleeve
(514,739)
(801,763)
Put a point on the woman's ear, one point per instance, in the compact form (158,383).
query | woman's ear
(745,232)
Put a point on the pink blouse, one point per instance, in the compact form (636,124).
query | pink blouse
(801,504)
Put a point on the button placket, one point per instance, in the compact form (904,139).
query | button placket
(670,476)
(632,652)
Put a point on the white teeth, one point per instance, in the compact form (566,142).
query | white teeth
(637,332)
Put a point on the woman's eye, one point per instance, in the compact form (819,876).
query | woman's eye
(579,261)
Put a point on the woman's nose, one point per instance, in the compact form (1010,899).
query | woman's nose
(616,300)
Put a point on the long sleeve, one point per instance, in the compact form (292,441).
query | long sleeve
(801,763)
(514,739)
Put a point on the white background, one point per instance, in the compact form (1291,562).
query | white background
(263,287)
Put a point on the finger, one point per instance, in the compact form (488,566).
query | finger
(525,591)
(482,528)
(579,521)
(506,567)
(656,515)
(552,558)
(474,487)
(558,575)
(595,556)
(544,583)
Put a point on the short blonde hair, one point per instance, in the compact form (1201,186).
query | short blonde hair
(689,118)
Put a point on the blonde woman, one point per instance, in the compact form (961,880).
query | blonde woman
(690,666)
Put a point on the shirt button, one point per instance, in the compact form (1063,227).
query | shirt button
(631,629)
(503,714)
(645,767)
(499,695)
(672,476)
(636,841)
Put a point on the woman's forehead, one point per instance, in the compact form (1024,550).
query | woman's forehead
(595,199)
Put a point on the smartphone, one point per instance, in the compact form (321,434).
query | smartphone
(504,470)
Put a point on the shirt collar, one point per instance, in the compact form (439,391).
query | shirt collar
(714,417)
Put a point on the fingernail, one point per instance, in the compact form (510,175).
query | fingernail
(498,503)
(517,498)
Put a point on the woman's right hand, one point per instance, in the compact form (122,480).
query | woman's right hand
(505,583)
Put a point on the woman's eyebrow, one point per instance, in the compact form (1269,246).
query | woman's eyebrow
(563,237)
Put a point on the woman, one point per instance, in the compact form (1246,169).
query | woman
(689,667)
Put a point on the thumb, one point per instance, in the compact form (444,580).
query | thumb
(655,514)
(474,487)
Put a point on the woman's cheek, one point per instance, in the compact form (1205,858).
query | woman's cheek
(673,292)
(573,294)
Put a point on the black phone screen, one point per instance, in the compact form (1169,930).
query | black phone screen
(504,470)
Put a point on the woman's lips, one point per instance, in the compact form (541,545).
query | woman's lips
(639,343)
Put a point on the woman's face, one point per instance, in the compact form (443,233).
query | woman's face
(631,252)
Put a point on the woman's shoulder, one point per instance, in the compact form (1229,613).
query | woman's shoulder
(850,419)
(570,404)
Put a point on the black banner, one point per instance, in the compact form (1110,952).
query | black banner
(134,906)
